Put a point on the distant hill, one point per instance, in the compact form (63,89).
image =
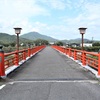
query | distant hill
(36,35)
(78,40)
(6,38)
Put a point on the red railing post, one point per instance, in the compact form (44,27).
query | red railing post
(69,52)
(99,64)
(24,55)
(63,50)
(2,68)
(66,51)
(16,58)
(75,55)
(32,51)
(83,58)
(29,52)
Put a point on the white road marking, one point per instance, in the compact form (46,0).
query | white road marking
(58,81)
(2,86)
(52,81)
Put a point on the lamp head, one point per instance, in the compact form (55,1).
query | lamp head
(82,30)
(18,30)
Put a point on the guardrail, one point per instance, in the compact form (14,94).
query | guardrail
(10,61)
(84,57)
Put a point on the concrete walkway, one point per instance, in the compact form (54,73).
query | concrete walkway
(50,75)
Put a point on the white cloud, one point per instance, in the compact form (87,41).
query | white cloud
(55,4)
(17,13)
(21,8)
(59,4)
(56,31)
(88,17)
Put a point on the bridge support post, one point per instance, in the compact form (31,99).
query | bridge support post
(2,68)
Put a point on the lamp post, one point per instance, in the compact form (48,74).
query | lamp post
(17,31)
(82,32)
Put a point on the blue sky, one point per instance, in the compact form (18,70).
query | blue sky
(59,19)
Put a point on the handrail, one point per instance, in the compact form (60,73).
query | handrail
(11,59)
(86,58)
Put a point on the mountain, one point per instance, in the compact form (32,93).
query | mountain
(6,38)
(36,35)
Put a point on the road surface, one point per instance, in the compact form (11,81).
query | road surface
(49,75)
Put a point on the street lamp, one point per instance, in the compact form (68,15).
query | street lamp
(17,31)
(82,32)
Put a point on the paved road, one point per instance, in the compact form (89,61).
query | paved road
(50,75)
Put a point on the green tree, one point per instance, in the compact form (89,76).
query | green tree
(13,44)
(96,44)
(41,42)
(59,43)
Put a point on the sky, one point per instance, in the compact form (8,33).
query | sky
(59,19)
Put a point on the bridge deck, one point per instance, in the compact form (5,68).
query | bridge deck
(49,64)
(50,75)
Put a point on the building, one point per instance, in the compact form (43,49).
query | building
(86,45)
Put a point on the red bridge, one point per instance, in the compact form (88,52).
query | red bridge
(10,61)
(42,73)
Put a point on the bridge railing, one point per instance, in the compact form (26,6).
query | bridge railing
(10,61)
(85,58)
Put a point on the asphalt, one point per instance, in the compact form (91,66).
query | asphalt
(50,75)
